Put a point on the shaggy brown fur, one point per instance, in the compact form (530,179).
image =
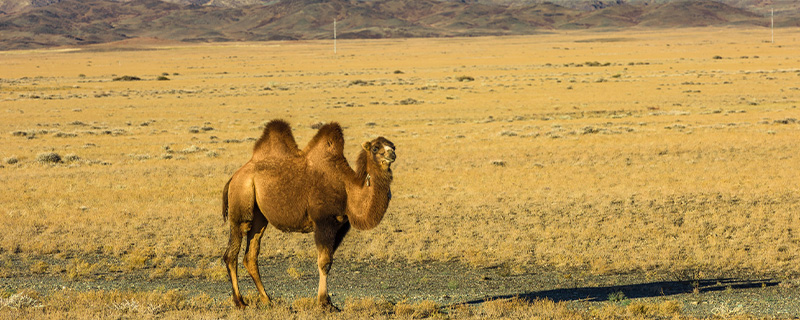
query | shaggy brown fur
(313,189)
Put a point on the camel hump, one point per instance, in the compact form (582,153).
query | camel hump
(276,140)
(329,140)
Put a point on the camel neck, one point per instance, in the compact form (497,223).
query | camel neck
(368,194)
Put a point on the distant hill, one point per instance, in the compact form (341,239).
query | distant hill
(756,6)
(43,23)
(698,14)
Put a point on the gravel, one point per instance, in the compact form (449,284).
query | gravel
(455,283)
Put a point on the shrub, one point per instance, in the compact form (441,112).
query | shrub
(40,267)
(19,301)
(618,296)
(140,157)
(65,135)
(127,78)
(408,101)
(305,304)
(192,149)
(48,157)
(502,307)
(294,273)
(178,273)
(369,307)
(465,78)
(420,310)
(71,158)
(162,78)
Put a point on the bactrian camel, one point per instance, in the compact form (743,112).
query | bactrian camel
(309,190)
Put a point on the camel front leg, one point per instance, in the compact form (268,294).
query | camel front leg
(324,261)
(328,239)
(325,240)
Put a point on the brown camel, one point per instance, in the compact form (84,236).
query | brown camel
(313,189)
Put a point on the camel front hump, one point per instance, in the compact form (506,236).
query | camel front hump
(282,197)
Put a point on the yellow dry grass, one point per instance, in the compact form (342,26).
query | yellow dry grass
(173,304)
(669,151)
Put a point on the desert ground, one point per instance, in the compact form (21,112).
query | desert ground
(571,174)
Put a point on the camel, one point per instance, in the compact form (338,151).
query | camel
(309,190)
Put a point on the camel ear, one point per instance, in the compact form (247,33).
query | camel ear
(365,145)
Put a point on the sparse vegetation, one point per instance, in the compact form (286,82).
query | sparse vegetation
(359,83)
(127,78)
(48,157)
(71,158)
(20,301)
(11,160)
(408,101)
(528,176)
(618,296)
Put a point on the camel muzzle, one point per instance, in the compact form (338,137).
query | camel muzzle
(391,156)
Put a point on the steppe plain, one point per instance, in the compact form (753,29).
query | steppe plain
(626,160)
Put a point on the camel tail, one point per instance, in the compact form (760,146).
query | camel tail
(225,200)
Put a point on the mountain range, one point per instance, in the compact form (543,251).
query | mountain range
(26,24)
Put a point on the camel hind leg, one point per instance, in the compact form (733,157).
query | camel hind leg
(252,250)
(231,259)
(239,196)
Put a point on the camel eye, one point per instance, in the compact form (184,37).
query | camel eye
(375,149)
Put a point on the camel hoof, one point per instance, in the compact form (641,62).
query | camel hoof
(239,304)
(264,302)
(330,308)
(326,306)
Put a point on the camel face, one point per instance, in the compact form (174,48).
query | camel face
(382,151)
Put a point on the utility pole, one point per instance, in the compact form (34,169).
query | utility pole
(772,23)
(334,35)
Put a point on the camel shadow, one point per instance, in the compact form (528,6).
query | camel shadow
(633,291)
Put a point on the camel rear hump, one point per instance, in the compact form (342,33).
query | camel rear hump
(276,140)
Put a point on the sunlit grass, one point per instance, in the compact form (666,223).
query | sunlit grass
(512,152)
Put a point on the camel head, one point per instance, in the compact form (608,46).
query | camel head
(380,151)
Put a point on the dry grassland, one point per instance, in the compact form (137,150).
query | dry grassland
(673,153)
